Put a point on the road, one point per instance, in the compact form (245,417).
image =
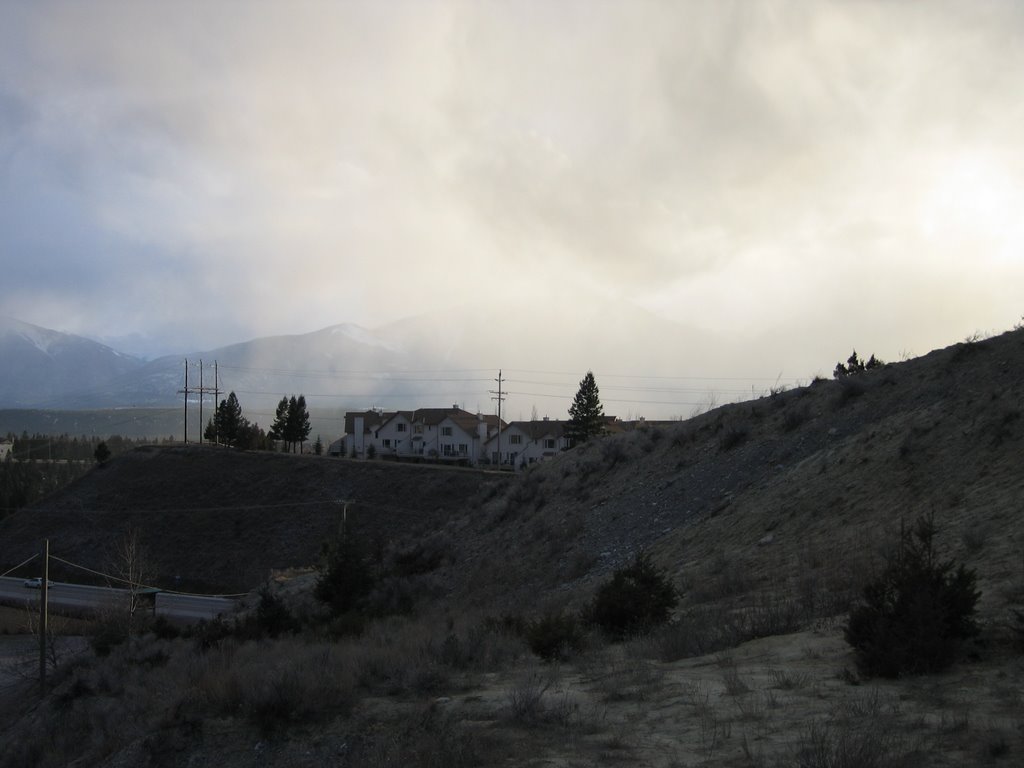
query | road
(185,608)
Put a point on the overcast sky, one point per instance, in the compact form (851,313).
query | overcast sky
(204,173)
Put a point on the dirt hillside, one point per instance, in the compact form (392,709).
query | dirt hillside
(222,519)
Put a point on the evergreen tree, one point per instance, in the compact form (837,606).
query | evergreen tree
(279,429)
(318,446)
(637,598)
(916,615)
(102,453)
(298,426)
(586,414)
(346,576)
(227,426)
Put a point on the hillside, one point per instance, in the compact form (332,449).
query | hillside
(768,515)
(808,484)
(222,520)
(820,476)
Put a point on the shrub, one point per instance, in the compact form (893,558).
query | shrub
(424,555)
(346,578)
(855,365)
(638,598)
(555,637)
(915,616)
(273,616)
(734,436)
(102,454)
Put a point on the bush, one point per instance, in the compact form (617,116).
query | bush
(916,615)
(346,578)
(734,436)
(855,365)
(555,637)
(273,616)
(102,454)
(638,598)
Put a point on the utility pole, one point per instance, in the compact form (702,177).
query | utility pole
(200,402)
(216,401)
(344,513)
(43,597)
(202,391)
(185,390)
(499,397)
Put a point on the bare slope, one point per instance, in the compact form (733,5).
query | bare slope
(792,491)
(221,520)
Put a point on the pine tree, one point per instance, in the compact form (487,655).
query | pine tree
(279,429)
(586,414)
(915,617)
(299,420)
(227,426)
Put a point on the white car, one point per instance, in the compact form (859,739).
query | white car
(36,583)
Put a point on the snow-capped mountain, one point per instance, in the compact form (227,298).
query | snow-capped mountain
(42,368)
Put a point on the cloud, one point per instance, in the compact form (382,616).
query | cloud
(213,172)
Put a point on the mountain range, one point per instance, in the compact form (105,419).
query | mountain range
(442,357)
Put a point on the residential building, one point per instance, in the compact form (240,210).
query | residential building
(526,442)
(426,434)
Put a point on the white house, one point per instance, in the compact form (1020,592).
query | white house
(5,449)
(431,434)
(525,442)
(359,430)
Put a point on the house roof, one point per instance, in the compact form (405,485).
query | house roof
(537,430)
(371,420)
(541,428)
(465,420)
(469,422)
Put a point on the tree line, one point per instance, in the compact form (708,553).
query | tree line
(291,426)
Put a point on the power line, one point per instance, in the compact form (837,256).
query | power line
(24,562)
(139,584)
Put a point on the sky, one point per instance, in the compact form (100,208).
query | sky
(191,174)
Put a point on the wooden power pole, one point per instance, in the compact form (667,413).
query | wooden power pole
(43,596)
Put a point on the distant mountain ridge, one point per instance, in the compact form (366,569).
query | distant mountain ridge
(42,368)
(442,357)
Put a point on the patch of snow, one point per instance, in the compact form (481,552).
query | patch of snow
(41,338)
(362,336)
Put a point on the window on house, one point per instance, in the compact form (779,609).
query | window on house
(418,429)
(446,431)
(447,449)
(515,439)
(399,427)
(463,449)
(387,443)
(549,443)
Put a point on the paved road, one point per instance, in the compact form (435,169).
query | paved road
(80,596)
